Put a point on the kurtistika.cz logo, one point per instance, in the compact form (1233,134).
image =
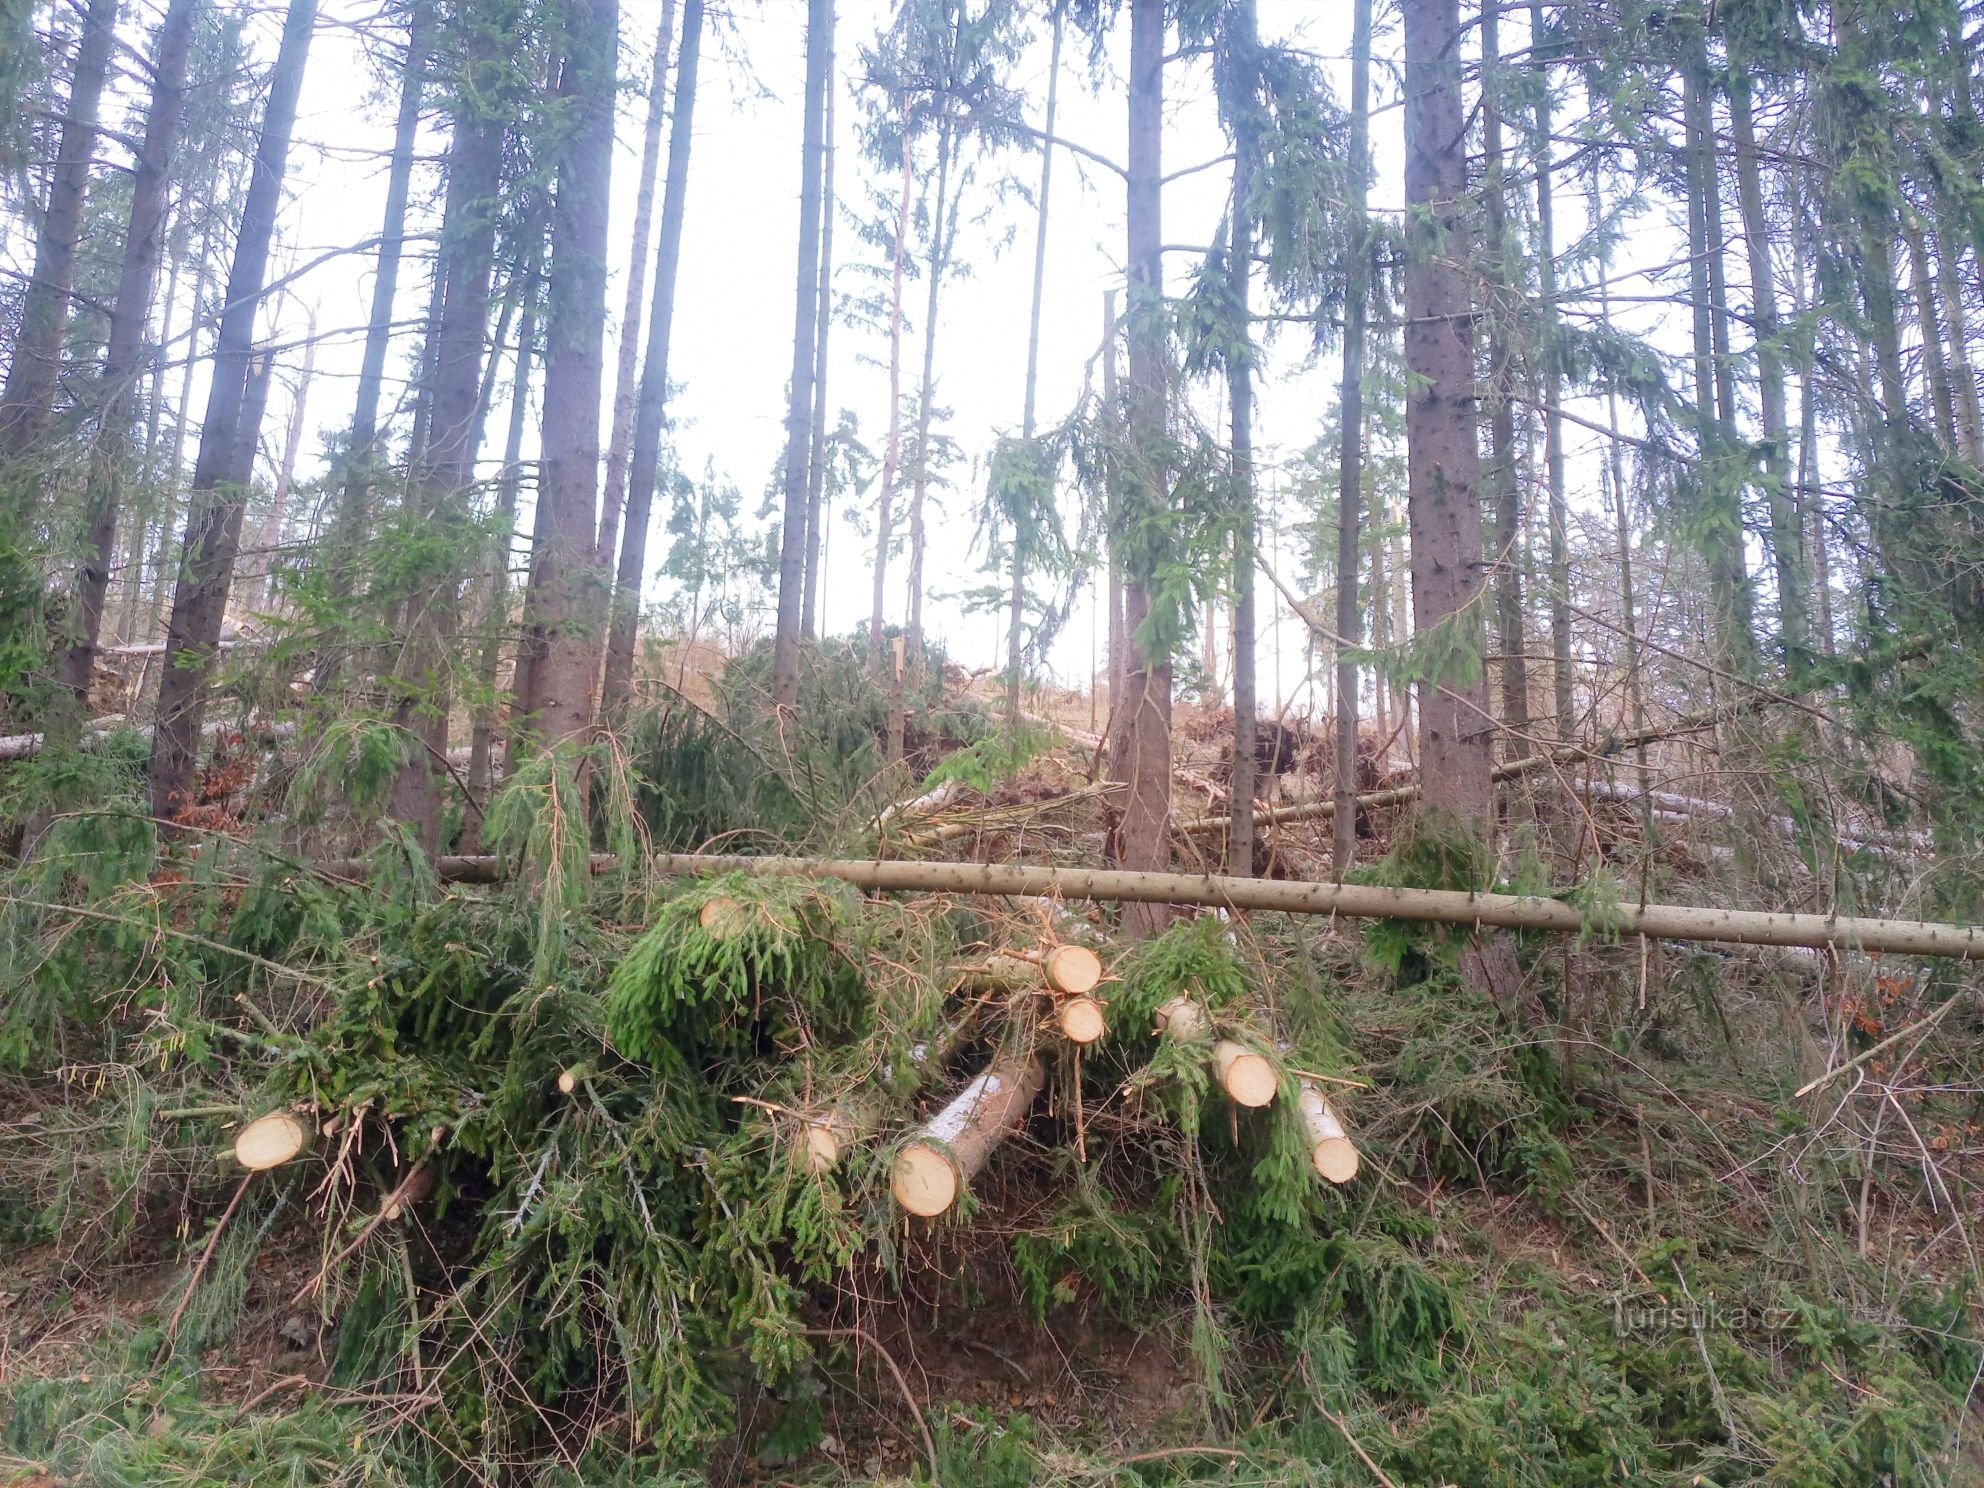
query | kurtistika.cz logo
(1651,1316)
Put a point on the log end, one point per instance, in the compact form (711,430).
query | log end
(816,1149)
(1244,1075)
(1081,1019)
(272,1140)
(924,1180)
(1072,970)
(723,918)
(1180,1018)
(568,1081)
(1336,1159)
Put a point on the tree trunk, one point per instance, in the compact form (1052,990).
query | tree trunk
(496,605)
(28,399)
(942,223)
(651,415)
(227,446)
(799,408)
(1016,599)
(892,449)
(1350,435)
(1719,524)
(1935,367)
(1141,756)
(1506,499)
(444,474)
(1787,545)
(1113,406)
(1563,679)
(1969,416)
(559,710)
(361,462)
(628,352)
(1244,47)
(269,540)
(816,463)
(124,359)
(1443,510)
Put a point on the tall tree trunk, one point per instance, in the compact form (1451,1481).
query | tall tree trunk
(1350,452)
(1245,50)
(1935,366)
(444,475)
(1016,598)
(560,708)
(651,414)
(1141,757)
(124,359)
(1442,463)
(1112,402)
(1787,545)
(496,601)
(1719,523)
(1506,500)
(361,459)
(942,225)
(1969,416)
(1550,354)
(799,408)
(227,446)
(816,461)
(628,352)
(28,398)
(892,447)
(269,539)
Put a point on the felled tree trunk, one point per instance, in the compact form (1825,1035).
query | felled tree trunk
(934,1167)
(1330,1148)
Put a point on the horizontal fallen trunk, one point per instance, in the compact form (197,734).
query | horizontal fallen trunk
(1331,1151)
(1298,896)
(1854,837)
(27,746)
(1366,901)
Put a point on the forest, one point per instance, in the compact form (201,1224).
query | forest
(991,743)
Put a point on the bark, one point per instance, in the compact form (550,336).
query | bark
(799,407)
(1141,756)
(1935,367)
(628,353)
(943,221)
(1501,475)
(1787,544)
(1720,521)
(1112,402)
(892,448)
(1016,600)
(559,710)
(361,462)
(816,463)
(496,604)
(1969,416)
(443,477)
(1443,510)
(227,445)
(933,1169)
(651,414)
(1563,679)
(125,358)
(270,538)
(1245,45)
(27,400)
(1350,901)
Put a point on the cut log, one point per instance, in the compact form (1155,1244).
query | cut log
(932,1170)
(1244,1075)
(1330,1147)
(568,1080)
(723,918)
(1080,1019)
(1072,970)
(272,1140)
(823,1140)
(1181,1020)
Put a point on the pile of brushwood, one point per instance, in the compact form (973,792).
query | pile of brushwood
(599,1177)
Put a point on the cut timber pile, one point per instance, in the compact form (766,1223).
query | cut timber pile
(933,1168)
(272,1140)
(1067,974)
